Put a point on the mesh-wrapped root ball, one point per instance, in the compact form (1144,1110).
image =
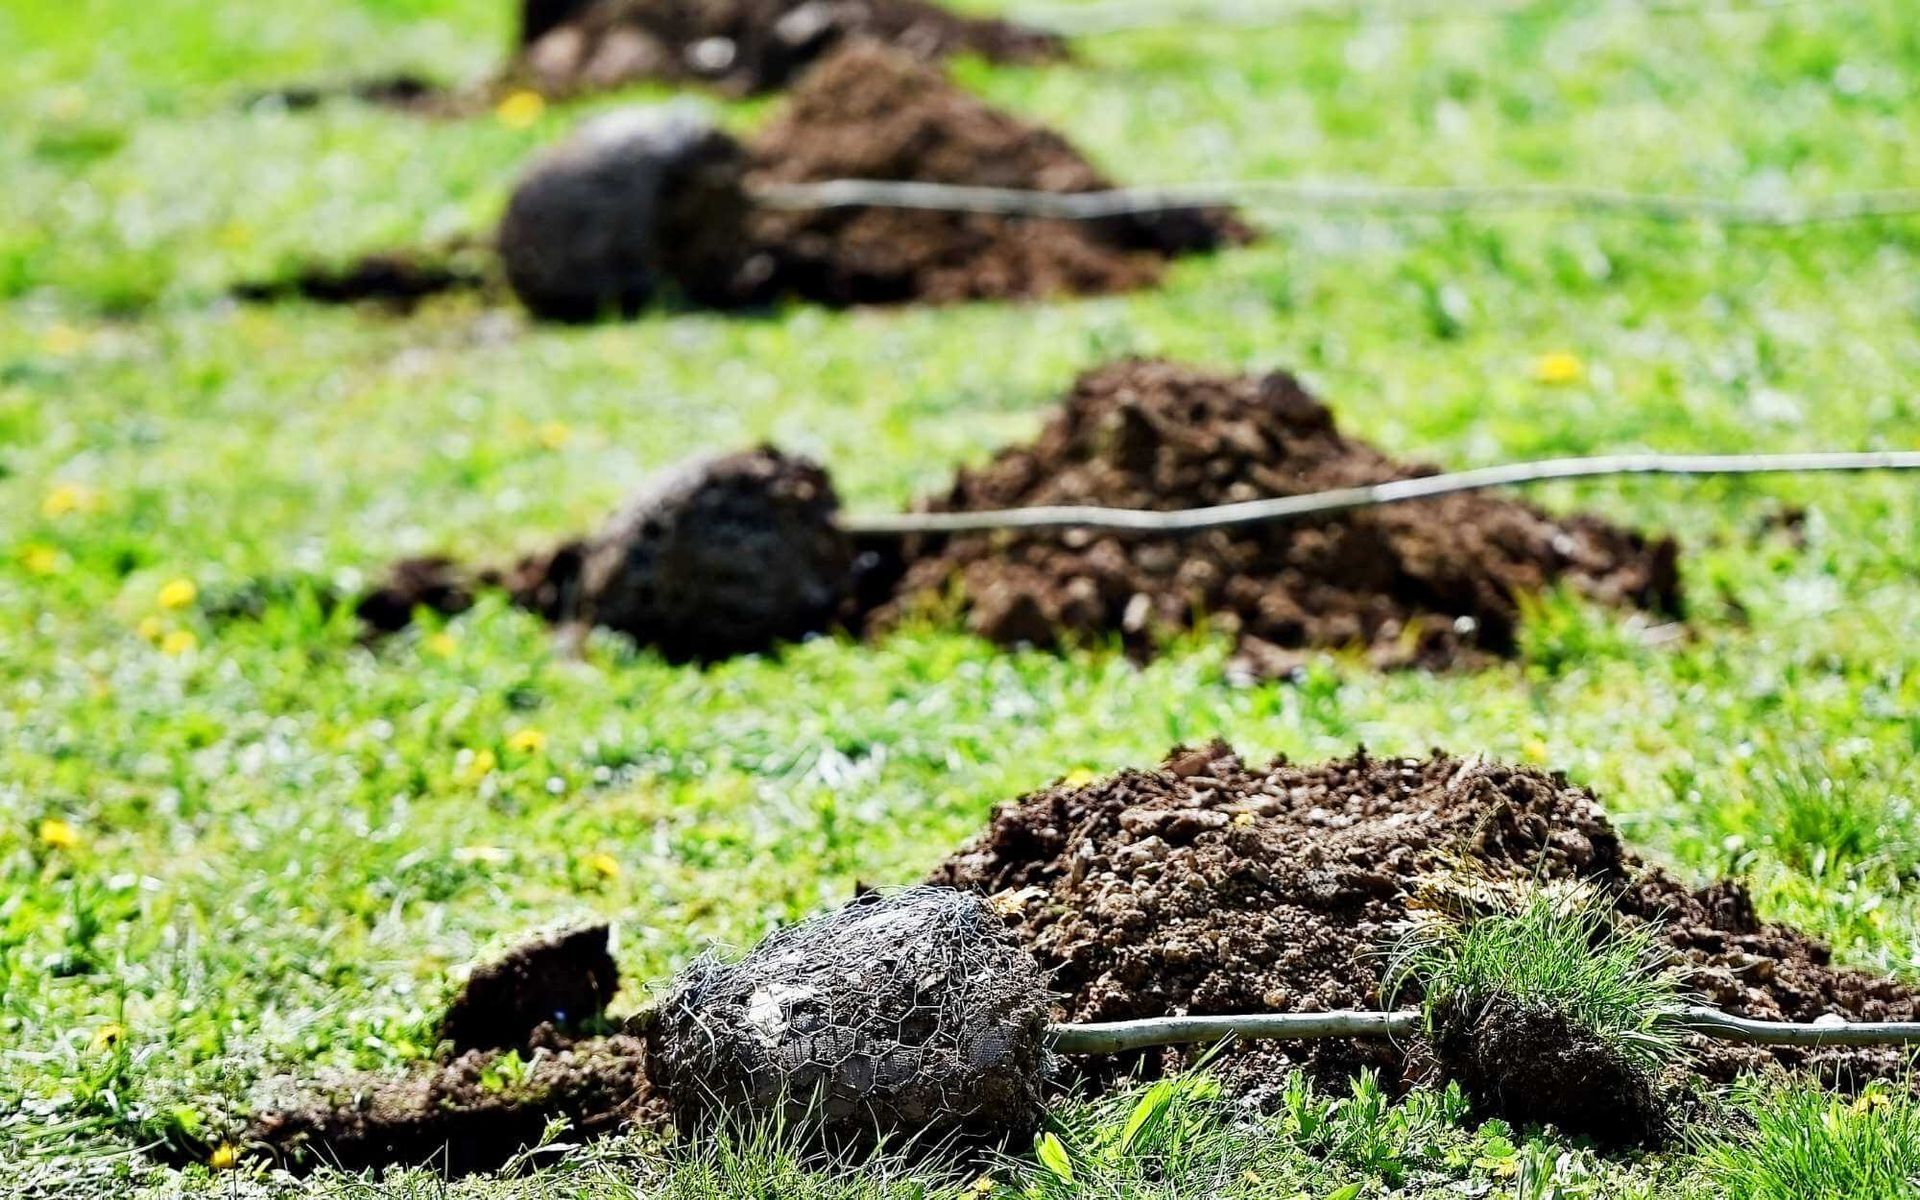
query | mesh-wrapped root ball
(911,1013)
(598,223)
(722,556)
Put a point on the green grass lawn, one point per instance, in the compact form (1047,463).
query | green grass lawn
(230,849)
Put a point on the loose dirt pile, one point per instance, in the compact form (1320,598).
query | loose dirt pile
(520,1056)
(736,554)
(569,47)
(1427,583)
(870,113)
(1208,886)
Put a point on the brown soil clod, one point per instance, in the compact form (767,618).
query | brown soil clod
(573,46)
(561,981)
(1208,886)
(1426,583)
(1535,1066)
(473,1113)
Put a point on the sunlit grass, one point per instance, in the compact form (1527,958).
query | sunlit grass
(258,844)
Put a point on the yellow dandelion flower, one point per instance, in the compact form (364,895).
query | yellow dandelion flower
(66,498)
(554,434)
(62,340)
(107,1036)
(605,865)
(236,234)
(41,559)
(224,1157)
(1559,369)
(178,593)
(479,766)
(179,642)
(520,109)
(151,628)
(1078,777)
(442,645)
(56,834)
(1536,750)
(527,741)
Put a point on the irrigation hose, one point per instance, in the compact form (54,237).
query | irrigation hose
(1112,1037)
(1286,508)
(1120,16)
(1297,195)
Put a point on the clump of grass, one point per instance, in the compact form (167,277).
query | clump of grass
(1822,817)
(1807,1143)
(1551,948)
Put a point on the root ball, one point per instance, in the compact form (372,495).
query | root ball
(598,223)
(910,1013)
(723,556)
(1530,1065)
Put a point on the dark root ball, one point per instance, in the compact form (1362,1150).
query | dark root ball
(597,224)
(914,1013)
(1529,1065)
(723,556)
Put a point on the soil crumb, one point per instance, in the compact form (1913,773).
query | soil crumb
(1209,886)
(1421,584)
(472,1113)
(563,980)
(400,280)
(872,113)
(570,47)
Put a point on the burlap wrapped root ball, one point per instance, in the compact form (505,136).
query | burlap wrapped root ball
(636,199)
(721,556)
(911,1014)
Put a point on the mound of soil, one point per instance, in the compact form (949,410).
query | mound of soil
(560,980)
(737,554)
(1426,583)
(871,113)
(742,46)
(1208,886)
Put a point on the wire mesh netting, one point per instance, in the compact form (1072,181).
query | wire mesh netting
(907,1012)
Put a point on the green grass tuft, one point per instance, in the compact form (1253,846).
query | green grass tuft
(1807,1143)
(1558,949)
